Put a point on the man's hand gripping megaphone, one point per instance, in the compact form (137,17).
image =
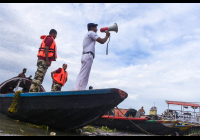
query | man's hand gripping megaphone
(106,30)
(108,35)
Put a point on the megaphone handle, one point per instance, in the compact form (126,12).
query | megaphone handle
(107,46)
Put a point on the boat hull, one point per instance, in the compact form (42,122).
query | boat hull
(63,110)
(122,123)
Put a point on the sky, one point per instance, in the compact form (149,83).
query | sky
(154,56)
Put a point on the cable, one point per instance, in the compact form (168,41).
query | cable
(107,46)
(113,115)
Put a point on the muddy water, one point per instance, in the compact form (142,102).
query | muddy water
(11,127)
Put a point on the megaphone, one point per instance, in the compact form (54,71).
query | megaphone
(111,28)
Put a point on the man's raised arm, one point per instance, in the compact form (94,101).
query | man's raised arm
(102,41)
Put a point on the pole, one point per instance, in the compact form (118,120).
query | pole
(191,118)
(199,115)
(194,115)
(183,114)
(175,115)
(168,110)
(181,110)
(17,85)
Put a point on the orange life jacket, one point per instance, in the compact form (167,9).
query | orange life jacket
(61,77)
(52,49)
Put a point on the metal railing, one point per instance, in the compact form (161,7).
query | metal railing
(182,116)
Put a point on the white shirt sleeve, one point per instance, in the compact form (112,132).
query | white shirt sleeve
(93,35)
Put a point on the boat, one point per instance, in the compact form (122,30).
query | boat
(124,121)
(62,110)
(188,120)
(169,123)
(183,115)
(153,124)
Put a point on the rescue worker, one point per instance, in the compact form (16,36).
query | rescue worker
(23,74)
(59,78)
(88,55)
(46,54)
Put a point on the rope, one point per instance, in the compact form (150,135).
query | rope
(136,125)
(13,107)
(113,115)
(107,46)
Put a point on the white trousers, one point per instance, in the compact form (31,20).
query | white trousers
(83,76)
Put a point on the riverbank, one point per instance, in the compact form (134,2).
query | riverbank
(194,132)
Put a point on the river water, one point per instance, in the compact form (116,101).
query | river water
(11,127)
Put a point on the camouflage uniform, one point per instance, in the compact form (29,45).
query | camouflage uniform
(56,87)
(39,76)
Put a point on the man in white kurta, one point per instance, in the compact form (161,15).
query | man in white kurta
(88,55)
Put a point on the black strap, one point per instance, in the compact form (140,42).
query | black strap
(61,76)
(54,56)
(40,47)
(44,48)
(107,46)
(50,50)
(89,52)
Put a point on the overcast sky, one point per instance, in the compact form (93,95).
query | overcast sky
(154,56)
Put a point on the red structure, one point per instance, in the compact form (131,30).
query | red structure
(183,103)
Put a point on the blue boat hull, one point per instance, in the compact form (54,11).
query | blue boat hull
(65,110)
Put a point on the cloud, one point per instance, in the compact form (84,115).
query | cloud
(154,56)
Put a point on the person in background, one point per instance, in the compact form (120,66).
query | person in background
(90,88)
(142,112)
(11,89)
(23,74)
(59,78)
(46,54)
